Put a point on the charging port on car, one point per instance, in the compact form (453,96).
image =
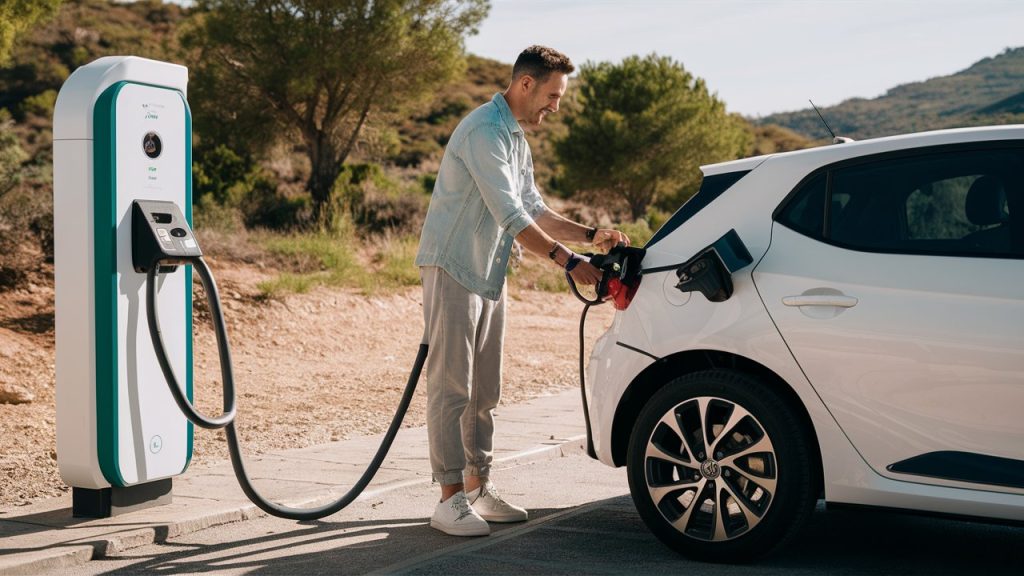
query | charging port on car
(710,271)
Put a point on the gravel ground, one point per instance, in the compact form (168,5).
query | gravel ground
(309,368)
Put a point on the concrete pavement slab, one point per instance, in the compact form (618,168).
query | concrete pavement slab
(44,536)
(379,534)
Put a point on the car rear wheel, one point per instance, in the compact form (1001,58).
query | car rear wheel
(719,467)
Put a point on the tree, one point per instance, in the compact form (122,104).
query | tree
(268,71)
(639,130)
(17,16)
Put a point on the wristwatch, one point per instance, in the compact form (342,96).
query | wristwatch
(590,234)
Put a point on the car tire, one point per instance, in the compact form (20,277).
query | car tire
(752,462)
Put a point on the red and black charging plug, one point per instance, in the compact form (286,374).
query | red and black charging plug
(620,276)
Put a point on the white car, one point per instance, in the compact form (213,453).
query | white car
(871,352)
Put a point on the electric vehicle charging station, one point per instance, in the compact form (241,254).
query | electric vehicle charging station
(122,132)
(124,251)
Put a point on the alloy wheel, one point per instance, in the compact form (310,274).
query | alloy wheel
(711,469)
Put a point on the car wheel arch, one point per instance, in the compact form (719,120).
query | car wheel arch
(661,372)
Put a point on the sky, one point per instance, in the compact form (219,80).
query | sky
(766,56)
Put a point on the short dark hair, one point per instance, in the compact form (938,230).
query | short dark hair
(540,61)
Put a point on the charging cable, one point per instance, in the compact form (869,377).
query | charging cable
(620,278)
(227,419)
(587,304)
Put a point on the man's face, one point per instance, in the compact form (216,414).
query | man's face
(543,97)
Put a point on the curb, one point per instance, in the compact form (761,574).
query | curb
(65,557)
(47,560)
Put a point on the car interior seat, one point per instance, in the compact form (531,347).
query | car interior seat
(986,206)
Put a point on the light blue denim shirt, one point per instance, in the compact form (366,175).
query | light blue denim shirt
(483,198)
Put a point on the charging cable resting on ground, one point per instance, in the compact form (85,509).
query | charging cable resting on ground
(161,241)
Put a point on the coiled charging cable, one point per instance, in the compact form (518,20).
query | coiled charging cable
(227,419)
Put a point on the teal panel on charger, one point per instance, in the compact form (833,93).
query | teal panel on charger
(188,273)
(105,262)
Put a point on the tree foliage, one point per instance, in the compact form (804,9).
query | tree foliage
(271,71)
(82,31)
(17,16)
(640,130)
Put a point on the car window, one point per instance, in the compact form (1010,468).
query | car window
(954,202)
(805,212)
(711,187)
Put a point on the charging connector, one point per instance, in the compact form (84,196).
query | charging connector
(160,233)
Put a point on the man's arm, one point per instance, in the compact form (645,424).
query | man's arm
(542,237)
(564,230)
(536,240)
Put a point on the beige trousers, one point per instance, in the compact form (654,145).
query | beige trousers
(466,335)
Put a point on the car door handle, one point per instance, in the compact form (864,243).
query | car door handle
(834,300)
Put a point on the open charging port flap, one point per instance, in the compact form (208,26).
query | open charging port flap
(710,271)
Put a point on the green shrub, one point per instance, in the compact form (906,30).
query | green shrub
(230,191)
(378,203)
(413,153)
(38,105)
(657,218)
(427,181)
(453,106)
(266,207)
(11,155)
(639,232)
(220,173)
(351,184)
(384,212)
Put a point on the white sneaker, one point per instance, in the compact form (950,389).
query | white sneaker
(492,507)
(456,517)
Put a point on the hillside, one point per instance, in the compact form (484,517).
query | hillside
(991,91)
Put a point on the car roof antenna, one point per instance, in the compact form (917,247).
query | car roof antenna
(835,139)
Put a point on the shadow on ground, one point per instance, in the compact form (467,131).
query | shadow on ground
(605,537)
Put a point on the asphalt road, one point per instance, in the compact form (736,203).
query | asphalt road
(582,522)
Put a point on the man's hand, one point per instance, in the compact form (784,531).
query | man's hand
(605,239)
(586,274)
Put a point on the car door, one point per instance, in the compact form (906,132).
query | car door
(898,284)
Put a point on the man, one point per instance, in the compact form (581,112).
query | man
(484,199)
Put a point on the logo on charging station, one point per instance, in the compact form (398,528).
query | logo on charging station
(151,113)
(155,444)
